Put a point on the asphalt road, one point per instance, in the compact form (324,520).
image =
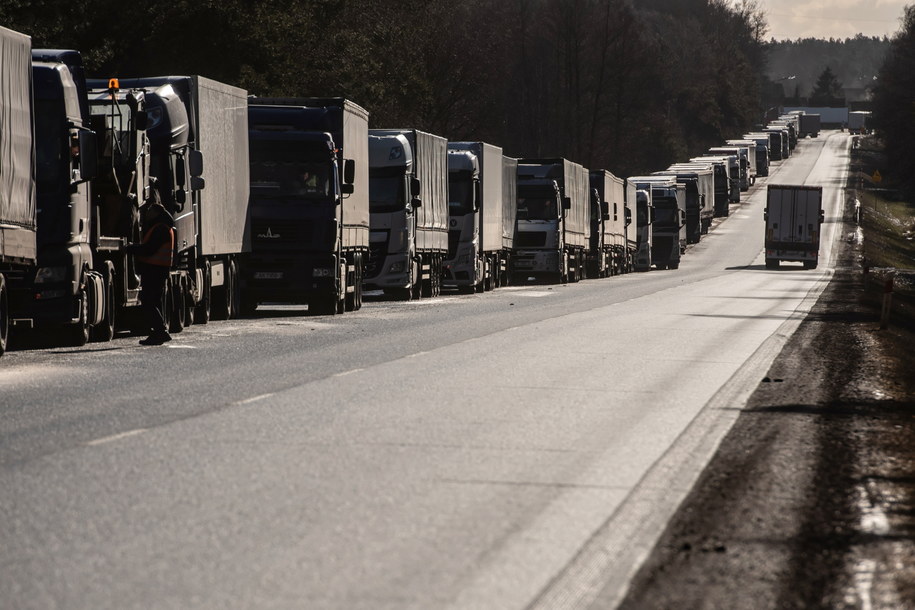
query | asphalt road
(518,449)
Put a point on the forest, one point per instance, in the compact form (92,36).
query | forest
(626,86)
(608,83)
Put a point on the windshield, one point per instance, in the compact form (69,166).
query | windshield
(282,171)
(537,204)
(460,196)
(666,211)
(386,190)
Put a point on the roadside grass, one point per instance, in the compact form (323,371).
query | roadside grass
(887,217)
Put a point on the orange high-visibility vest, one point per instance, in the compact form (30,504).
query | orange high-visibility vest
(164,255)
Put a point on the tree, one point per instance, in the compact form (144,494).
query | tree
(827,91)
(894,103)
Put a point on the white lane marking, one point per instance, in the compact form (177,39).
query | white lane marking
(416,355)
(115,437)
(253,399)
(181,346)
(344,373)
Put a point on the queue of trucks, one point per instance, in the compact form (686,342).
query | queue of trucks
(297,200)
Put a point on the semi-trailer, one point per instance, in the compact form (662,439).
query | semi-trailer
(607,243)
(408,205)
(668,222)
(509,214)
(18,225)
(553,219)
(198,134)
(699,182)
(808,125)
(476,250)
(750,147)
(309,231)
(763,143)
(743,165)
(793,218)
(724,186)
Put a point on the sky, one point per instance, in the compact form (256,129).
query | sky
(791,19)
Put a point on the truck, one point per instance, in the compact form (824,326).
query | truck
(778,143)
(698,180)
(793,217)
(607,253)
(553,215)
(476,249)
(857,121)
(763,143)
(668,221)
(808,125)
(509,214)
(742,168)
(750,147)
(198,135)
(408,212)
(724,186)
(18,222)
(639,200)
(65,293)
(309,205)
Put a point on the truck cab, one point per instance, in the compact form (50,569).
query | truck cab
(464,267)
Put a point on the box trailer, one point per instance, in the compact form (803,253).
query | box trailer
(607,253)
(793,218)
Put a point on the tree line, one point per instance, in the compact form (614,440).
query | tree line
(614,84)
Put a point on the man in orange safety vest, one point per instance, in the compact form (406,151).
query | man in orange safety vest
(154,256)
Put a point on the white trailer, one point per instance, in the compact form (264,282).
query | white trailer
(793,217)
(18,249)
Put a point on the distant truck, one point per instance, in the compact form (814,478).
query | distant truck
(198,134)
(793,216)
(639,200)
(742,168)
(18,229)
(808,125)
(858,121)
(724,185)
(607,254)
(763,144)
(699,182)
(750,147)
(668,222)
(554,210)
(309,203)
(408,204)
(477,253)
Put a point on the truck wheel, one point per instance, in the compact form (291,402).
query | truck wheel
(4,316)
(104,330)
(202,315)
(174,307)
(77,335)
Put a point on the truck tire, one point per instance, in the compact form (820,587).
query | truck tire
(4,315)
(202,315)
(174,306)
(104,330)
(77,334)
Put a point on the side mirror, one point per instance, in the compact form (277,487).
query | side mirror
(88,155)
(180,199)
(197,183)
(628,217)
(605,210)
(195,163)
(347,189)
(416,202)
(415,188)
(766,215)
(822,216)
(566,203)
(349,172)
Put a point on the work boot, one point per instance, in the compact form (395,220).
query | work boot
(156,339)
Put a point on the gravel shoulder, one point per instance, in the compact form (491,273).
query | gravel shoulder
(810,500)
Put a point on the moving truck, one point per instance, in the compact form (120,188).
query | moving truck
(794,215)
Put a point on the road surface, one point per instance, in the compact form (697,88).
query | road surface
(518,449)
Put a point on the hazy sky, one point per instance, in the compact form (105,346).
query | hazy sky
(793,19)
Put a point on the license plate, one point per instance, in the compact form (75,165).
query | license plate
(268,275)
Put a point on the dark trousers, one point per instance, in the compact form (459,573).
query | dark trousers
(152,296)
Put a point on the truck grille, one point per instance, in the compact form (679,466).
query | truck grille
(530,239)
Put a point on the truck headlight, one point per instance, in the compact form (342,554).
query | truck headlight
(322,272)
(50,275)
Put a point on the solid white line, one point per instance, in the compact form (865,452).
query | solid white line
(253,399)
(115,437)
(344,373)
